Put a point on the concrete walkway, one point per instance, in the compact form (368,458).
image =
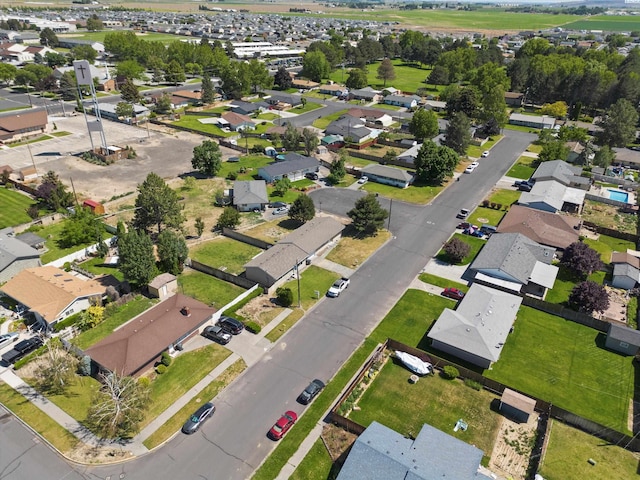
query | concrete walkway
(334,267)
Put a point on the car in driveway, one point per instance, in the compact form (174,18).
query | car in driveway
(454,293)
(463,213)
(281,211)
(230,325)
(283,425)
(198,418)
(278,204)
(363,179)
(312,176)
(338,287)
(309,393)
(8,338)
(20,349)
(485,154)
(471,167)
(217,334)
(525,186)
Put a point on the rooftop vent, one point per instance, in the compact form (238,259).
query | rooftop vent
(186,311)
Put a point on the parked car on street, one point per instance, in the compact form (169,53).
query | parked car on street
(197,419)
(283,425)
(454,293)
(485,154)
(309,393)
(338,287)
(230,325)
(217,334)
(471,167)
(463,213)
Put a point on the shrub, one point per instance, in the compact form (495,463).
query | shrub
(160,369)
(450,372)
(84,367)
(485,203)
(473,384)
(232,176)
(498,206)
(284,296)
(166,359)
(144,382)
(456,249)
(253,327)
(67,322)
(67,266)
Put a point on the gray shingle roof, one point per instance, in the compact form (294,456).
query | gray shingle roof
(387,172)
(248,192)
(293,162)
(481,323)
(513,255)
(381,453)
(12,249)
(549,192)
(561,171)
(624,334)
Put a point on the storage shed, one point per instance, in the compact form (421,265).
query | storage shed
(94,206)
(516,406)
(623,339)
(163,286)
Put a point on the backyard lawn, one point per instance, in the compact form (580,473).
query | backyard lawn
(251,163)
(96,266)
(51,233)
(565,281)
(191,121)
(432,400)
(523,168)
(225,254)
(209,290)
(606,245)
(474,242)
(272,231)
(568,452)
(13,208)
(565,363)
(609,216)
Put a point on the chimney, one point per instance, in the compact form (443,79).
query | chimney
(186,311)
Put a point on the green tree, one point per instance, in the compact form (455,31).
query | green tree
(291,138)
(129,91)
(130,69)
(230,218)
(283,78)
(367,215)
(84,52)
(386,71)
(302,209)
(56,368)
(315,66)
(157,205)
(174,73)
(94,23)
(310,140)
(556,109)
(208,94)
(67,86)
(281,186)
(55,59)
(124,110)
(259,75)
(284,296)
(553,150)
(619,125)
(199,224)
(136,259)
(172,251)
(424,124)
(337,169)
(48,38)
(604,157)
(357,79)
(7,72)
(458,135)
(163,104)
(53,192)
(434,163)
(81,227)
(207,158)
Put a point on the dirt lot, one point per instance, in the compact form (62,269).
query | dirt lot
(511,452)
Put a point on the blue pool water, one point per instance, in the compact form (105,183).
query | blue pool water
(619,196)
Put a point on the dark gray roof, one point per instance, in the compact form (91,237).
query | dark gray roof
(30,239)
(292,163)
(561,171)
(348,126)
(387,172)
(624,334)
(512,254)
(380,453)
(246,192)
(12,249)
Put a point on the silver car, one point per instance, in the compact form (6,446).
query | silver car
(8,338)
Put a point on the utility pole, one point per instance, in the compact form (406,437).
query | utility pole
(297,267)
(389,221)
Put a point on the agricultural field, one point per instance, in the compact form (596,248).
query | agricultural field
(99,36)
(609,23)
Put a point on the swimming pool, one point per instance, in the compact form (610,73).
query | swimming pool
(619,196)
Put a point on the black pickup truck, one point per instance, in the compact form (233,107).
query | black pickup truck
(21,349)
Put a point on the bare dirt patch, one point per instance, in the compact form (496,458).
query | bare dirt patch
(511,452)
(337,441)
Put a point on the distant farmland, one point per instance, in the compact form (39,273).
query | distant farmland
(607,23)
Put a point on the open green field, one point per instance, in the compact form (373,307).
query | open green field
(409,77)
(209,290)
(608,23)
(13,208)
(565,363)
(225,254)
(432,400)
(99,36)
(569,450)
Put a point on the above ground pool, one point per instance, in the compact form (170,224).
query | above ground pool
(619,196)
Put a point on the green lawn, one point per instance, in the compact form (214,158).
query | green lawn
(96,266)
(504,197)
(474,242)
(308,107)
(13,208)
(419,194)
(41,138)
(99,36)
(442,282)
(606,22)
(114,317)
(315,465)
(323,122)
(565,363)
(191,121)
(476,150)
(565,281)
(569,450)
(534,148)
(210,290)
(432,400)
(386,106)
(225,254)
(482,215)
(77,399)
(267,116)
(523,168)
(51,234)
(409,77)
(606,245)
(249,162)
(312,279)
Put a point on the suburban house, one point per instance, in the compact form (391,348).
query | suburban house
(435,105)
(333,142)
(406,101)
(16,126)
(515,262)
(627,157)
(303,84)
(516,406)
(294,167)
(372,118)
(237,122)
(477,330)
(552,196)
(561,172)
(108,111)
(163,286)
(51,293)
(136,346)
(191,98)
(552,229)
(626,269)
(334,89)
(380,453)
(367,94)
(513,99)
(623,339)
(387,175)
(353,130)
(408,157)
(15,255)
(532,121)
(283,101)
(31,239)
(247,108)
(294,249)
(250,195)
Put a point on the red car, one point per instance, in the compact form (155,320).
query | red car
(283,425)
(453,293)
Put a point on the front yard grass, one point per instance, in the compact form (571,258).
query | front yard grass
(474,242)
(352,250)
(316,464)
(504,197)
(568,451)
(307,107)
(114,317)
(565,363)
(211,391)
(225,254)
(323,122)
(523,168)
(209,290)
(39,421)
(419,194)
(14,208)
(442,282)
(490,216)
(312,279)
(432,400)
(606,245)
(476,150)
(77,399)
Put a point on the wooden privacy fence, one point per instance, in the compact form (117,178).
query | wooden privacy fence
(222,275)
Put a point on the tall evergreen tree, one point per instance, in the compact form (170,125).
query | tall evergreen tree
(157,205)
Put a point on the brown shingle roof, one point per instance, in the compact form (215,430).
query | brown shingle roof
(22,120)
(137,343)
(624,257)
(519,401)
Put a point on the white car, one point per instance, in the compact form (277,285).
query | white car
(485,154)
(338,287)
(363,179)
(8,338)
(471,167)
(281,211)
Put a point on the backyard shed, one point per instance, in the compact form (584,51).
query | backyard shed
(94,206)
(163,286)
(516,406)
(623,339)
